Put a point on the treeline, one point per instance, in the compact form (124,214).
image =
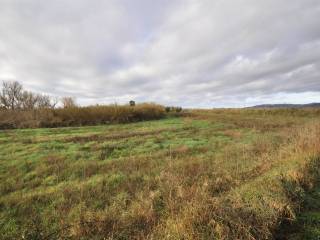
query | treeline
(14,97)
(24,109)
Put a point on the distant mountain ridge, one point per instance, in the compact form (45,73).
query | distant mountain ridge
(309,105)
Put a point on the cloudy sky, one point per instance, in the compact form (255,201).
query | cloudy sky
(193,53)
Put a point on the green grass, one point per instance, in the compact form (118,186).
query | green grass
(307,223)
(211,175)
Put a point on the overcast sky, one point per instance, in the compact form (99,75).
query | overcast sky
(193,53)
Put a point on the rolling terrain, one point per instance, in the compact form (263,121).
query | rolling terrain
(285,106)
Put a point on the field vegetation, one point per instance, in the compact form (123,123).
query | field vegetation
(25,109)
(208,174)
(80,116)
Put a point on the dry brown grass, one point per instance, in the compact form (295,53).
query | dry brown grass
(79,116)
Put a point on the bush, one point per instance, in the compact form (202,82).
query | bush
(178,109)
(79,116)
(132,103)
(173,109)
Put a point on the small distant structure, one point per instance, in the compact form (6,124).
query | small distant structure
(132,103)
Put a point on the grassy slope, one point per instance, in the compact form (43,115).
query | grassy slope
(215,174)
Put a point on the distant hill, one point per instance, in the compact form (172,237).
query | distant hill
(313,105)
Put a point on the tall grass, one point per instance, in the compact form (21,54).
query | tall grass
(79,116)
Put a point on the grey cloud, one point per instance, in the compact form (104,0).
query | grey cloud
(190,53)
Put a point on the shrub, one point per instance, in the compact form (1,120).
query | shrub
(132,103)
(79,116)
(178,109)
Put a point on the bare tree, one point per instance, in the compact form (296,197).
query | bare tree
(11,95)
(44,101)
(29,100)
(54,102)
(68,102)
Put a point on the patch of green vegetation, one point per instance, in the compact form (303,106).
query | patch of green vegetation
(307,223)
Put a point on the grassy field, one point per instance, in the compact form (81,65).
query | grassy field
(215,174)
